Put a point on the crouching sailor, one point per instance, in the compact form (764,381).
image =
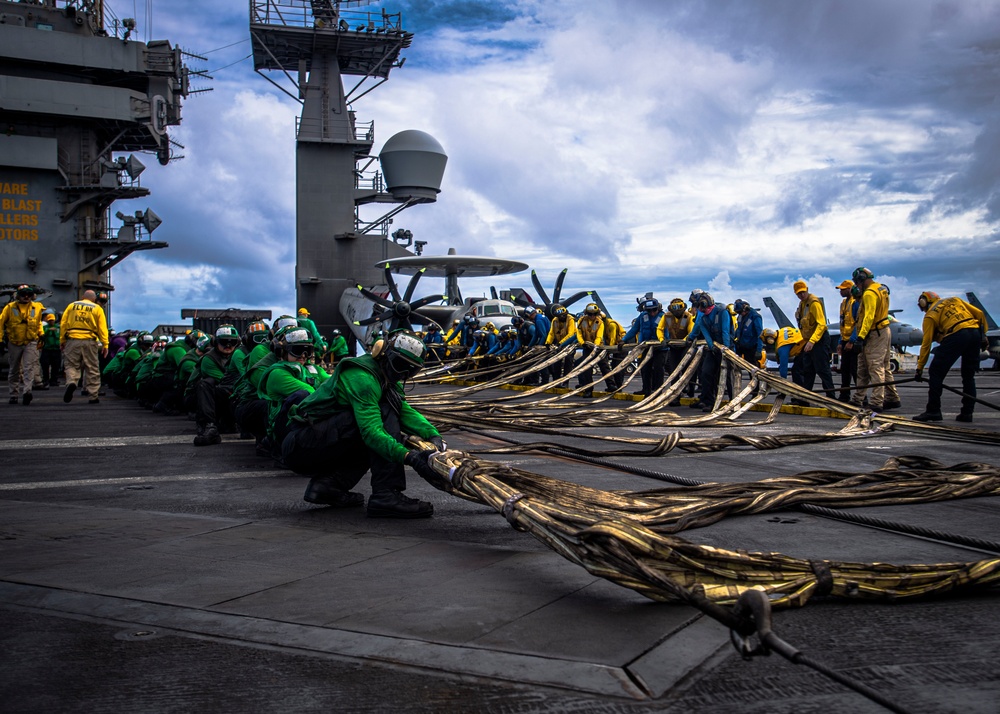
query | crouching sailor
(354,422)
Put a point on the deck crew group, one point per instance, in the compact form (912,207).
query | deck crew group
(334,417)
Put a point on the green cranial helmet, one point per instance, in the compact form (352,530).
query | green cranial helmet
(192,337)
(297,342)
(296,336)
(204,343)
(227,332)
(227,337)
(403,355)
(284,321)
(256,333)
(862,274)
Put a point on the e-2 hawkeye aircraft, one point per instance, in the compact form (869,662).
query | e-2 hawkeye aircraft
(369,309)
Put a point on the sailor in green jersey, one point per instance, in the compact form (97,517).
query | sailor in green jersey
(354,422)
(185,370)
(213,410)
(51,357)
(249,409)
(289,380)
(338,346)
(144,388)
(306,323)
(166,399)
(113,366)
(133,353)
(257,333)
(145,344)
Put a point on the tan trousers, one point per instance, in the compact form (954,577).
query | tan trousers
(873,368)
(23,363)
(82,354)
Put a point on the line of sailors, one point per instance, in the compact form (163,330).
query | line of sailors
(206,375)
(272,384)
(738,327)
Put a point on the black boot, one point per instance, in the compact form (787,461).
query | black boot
(393,504)
(208,435)
(321,491)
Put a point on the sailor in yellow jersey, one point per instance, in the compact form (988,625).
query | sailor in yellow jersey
(848,358)
(613,333)
(788,345)
(590,333)
(815,354)
(873,338)
(21,326)
(673,329)
(84,336)
(960,328)
(562,332)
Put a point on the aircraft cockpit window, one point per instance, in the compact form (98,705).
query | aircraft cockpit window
(508,310)
(492,310)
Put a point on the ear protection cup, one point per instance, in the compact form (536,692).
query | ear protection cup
(378,348)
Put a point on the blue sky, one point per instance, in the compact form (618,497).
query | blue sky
(734,146)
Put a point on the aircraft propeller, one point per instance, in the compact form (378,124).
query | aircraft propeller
(556,293)
(399,308)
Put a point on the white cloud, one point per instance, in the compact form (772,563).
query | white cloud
(646,145)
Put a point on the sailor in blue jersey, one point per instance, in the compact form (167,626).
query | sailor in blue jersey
(541,325)
(749,331)
(714,325)
(644,328)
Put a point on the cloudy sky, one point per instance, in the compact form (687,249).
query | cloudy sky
(730,145)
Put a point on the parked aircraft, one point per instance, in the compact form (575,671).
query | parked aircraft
(992,332)
(381,307)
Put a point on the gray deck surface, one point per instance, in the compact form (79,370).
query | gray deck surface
(140,573)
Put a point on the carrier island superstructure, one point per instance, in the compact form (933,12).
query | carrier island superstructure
(311,46)
(79,99)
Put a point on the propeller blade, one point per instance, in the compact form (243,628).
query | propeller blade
(412,284)
(569,301)
(427,301)
(559,284)
(393,290)
(377,299)
(538,286)
(372,320)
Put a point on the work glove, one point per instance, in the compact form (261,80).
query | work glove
(984,343)
(438,443)
(919,375)
(860,345)
(419,461)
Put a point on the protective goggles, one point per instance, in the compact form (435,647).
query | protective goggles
(227,342)
(258,338)
(299,350)
(402,366)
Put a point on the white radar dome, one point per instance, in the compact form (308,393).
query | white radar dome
(413,165)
